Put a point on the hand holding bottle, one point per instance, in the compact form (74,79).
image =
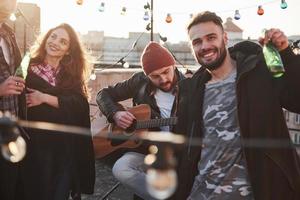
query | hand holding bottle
(274,41)
(276,37)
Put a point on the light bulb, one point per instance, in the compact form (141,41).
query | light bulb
(14,151)
(148,27)
(146,16)
(13,17)
(169,18)
(126,65)
(237,15)
(123,11)
(260,10)
(164,39)
(161,183)
(79,2)
(101,7)
(147,6)
(93,76)
(283,4)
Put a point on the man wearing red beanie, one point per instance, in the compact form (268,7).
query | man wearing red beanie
(154,86)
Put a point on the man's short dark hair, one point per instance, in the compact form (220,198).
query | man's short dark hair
(203,17)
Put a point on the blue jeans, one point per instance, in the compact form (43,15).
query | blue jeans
(130,170)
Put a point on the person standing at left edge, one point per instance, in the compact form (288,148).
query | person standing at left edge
(11,88)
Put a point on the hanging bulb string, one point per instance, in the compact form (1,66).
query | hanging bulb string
(224,11)
(127,54)
(248,7)
(167,46)
(164,12)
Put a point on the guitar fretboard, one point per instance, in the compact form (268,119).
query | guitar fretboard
(144,124)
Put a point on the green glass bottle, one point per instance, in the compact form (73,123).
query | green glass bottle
(21,71)
(273,60)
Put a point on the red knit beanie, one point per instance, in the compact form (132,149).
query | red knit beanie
(155,57)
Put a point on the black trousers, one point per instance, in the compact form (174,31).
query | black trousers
(10,180)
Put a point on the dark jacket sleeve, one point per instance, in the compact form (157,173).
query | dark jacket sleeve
(289,84)
(108,98)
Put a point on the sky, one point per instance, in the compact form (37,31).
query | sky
(87,16)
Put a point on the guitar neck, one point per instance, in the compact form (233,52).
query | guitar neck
(152,123)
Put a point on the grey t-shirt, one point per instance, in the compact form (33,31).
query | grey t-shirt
(222,168)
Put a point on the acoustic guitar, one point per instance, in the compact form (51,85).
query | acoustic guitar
(104,142)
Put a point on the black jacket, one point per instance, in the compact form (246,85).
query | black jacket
(49,152)
(274,172)
(138,87)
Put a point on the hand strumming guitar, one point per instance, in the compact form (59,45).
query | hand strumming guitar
(123,119)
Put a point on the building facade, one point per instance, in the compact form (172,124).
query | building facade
(293,123)
(26,25)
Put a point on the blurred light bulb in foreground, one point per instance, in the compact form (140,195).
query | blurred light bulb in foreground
(14,151)
(161,177)
(161,183)
(13,146)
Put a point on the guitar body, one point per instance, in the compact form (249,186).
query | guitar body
(103,145)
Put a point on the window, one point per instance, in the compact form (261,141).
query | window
(297,119)
(286,115)
(297,138)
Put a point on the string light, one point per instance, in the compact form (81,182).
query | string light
(124,63)
(123,11)
(237,15)
(13,17)
(146,16)
(169,18)
(148,27)
(161,177)
(260,10)
(283,4)
(93,75)
(13,146)
(164,39)
(147,6)
(101,7)
(79,2)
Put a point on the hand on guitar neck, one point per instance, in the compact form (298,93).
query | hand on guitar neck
(124,119)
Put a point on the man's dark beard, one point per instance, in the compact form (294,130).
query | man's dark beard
(161,88)
(173,84)
(218,62)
